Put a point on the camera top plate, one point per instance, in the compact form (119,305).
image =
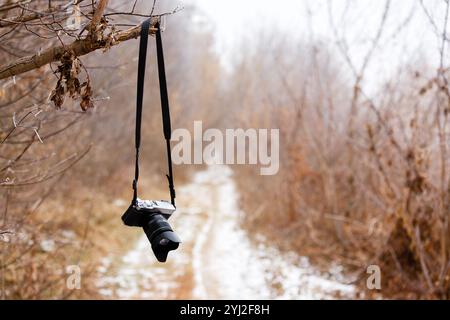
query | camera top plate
(160,206)
(139,213)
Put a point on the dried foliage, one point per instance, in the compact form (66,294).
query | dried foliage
(364,178)
(48,214)
(68,83)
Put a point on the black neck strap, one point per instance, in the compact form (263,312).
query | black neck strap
(164,103)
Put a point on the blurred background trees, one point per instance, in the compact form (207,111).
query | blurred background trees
(364,171)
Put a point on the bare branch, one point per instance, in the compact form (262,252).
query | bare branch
(28,17)
(98,14)
(13,5)
(78,47)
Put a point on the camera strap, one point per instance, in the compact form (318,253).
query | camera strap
(164,103)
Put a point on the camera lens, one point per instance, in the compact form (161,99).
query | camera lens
(161,237)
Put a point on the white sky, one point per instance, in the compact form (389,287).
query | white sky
(234,20)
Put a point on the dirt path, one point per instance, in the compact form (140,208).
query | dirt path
(216,259)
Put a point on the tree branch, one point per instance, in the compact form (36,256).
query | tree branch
(79,48)
(29,17)
(98,14)
(10,6)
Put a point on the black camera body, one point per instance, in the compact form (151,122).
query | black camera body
(152,216)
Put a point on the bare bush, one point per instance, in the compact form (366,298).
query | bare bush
(364,177)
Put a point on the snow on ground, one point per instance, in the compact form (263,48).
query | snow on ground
(216,260)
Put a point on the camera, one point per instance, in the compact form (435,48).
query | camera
(152,216)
